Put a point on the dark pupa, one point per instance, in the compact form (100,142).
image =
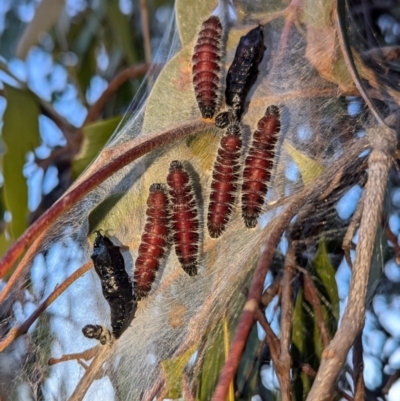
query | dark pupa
(224,181)
(258,165)
(206,67)
(243,72)
(97,332)
(185,221)
(115,283)
(154,240)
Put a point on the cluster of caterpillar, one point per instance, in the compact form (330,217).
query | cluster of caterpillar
(256,173)
(171,213)
(172,210)
(241,76)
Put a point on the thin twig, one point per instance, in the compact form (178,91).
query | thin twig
(92,372)
(351,230)
(270,337)
(392,238)
(272,290)
(15,332)
(157,386)
(113,86)
(395,376)
(133,150)
(358,371)
(284,363)
(275,230)
(383,141)
(144,17)
(188,396)
(86,355)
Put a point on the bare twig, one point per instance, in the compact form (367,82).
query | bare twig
(86,355)
(395,376)
(113,86)
(383,141)
(270,337)
(272,290)
(15,332)
(358,371)
(392,238)
(284,363)
(188,396)
(144,17)
(92,371)
(275,230)
(351,230)
(133,150)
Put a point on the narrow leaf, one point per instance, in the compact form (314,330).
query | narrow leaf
(95,136)
(20,135)
(309,169)
(46,15)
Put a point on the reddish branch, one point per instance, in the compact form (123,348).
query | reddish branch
(15,332)
(134,149)
(392,238)
(113,86)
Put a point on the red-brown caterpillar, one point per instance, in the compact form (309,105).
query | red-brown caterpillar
(154,240)
(242,75)
(225,181)
(258,164)
(116,286)
(185,221)
(206,68)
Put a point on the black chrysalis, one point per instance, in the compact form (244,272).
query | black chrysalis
(97,332)
(116,285)
(242,73)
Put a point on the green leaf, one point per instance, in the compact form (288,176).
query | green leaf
(212,363)
(46,15)
(309,169)
(301,346)
(109,213)
(173,372)
(248,385)
(95,137)
(20,135)
(122,31)
(190,14)
(326,273)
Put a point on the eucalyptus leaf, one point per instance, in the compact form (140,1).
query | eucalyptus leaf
(20,136)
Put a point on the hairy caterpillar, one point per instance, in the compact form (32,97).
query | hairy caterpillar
(185,221)
(206,68)
(258,164)
(225,181)
(242,75)
(116,286)
(154,240)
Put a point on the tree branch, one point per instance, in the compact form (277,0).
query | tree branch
(133,150)
(15,332)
